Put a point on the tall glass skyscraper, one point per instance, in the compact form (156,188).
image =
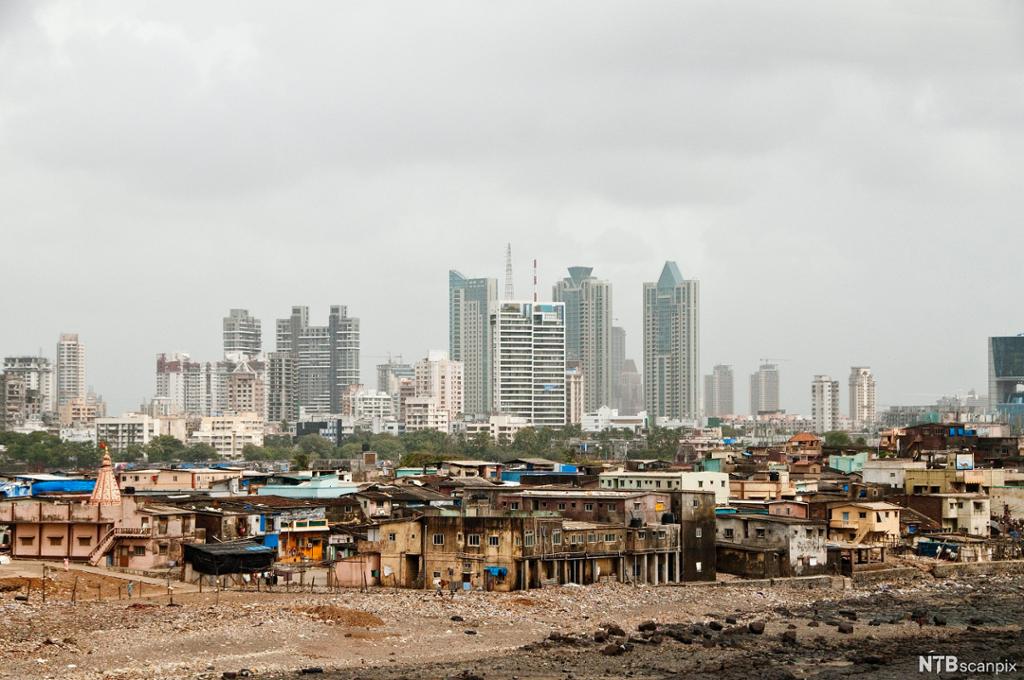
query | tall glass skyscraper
(469,339)
(672,346)
(1006,378)
(588,332)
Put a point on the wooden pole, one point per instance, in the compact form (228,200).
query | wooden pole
(44,584)
(74,590)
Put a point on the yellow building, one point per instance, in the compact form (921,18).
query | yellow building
(948,480)
(867,522)
(303,540)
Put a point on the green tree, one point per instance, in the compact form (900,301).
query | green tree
(164,449)
(198,453)
(421,459)
(316,446)
(130,454)
(837,438)
(300,460)
(251,452)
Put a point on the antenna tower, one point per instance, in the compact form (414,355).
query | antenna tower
(535,280)
(510,292)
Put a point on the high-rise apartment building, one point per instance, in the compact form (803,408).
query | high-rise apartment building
(672,346)
(70,375)
(631,397)
(824,404)
(862,398)
(718,392)
(12,401)
(528,350)
(282,405)
(242,335)
(246,389)
(618,352)
(179,381)
(325,359)
(469,337)
(764,389)
(588,332)
(575,389)
(391,373)
(439,377)
(37,374)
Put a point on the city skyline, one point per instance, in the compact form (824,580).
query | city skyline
(775,167)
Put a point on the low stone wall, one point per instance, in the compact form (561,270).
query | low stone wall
(978,568)
(894,575)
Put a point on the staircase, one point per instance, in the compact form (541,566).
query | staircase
(102,547)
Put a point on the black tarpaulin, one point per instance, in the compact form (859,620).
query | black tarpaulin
(237,557)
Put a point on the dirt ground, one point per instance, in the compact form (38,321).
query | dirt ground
(416,635)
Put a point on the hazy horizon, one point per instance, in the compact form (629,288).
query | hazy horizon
(841,178)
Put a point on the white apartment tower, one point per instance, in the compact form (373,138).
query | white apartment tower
(439,377)
(70,380)
(528,367)
(862,398)
(824,404)
(37,375)
(718,392)
(764,389)
(588,333)
(242,334)
(672,346)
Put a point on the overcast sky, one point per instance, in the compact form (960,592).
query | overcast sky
(843,178)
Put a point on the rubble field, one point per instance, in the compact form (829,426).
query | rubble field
(601,631)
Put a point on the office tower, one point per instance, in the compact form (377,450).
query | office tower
(1006,372)
(672,346)
(631,400)
(718,392)
(70,380)
(528,350)
(469,339)
(325,359)
(764,389)
(441,378)
(242,335)
(618,352)
(37,374)
(588,332)
(282,406)
(862,398)
(575,389)
(389,374)
(825,404)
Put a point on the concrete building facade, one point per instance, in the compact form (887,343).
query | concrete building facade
(528,352)
(469,340)
(588,332)
(672,346)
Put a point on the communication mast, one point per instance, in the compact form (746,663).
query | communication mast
(510,293)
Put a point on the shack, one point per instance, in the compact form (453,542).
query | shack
(235,557)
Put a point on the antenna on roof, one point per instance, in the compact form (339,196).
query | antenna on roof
(510,292)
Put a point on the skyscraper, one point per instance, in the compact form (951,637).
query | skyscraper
(528,349)
(469,337)
(70,381)
(764,389)
(325,361)
(37,374)
(718,392)
(672,346)
(825,404)
(1006,377)
(618,353)
(441,378)
(242,334)
(588,332)
(862,398)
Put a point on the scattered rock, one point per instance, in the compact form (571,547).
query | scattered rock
(715,625)
(730,619)
(647,626)
(457,618)
(789,637)
(613,649)
(756,627)
(845,627)
(614,629)
(939,620)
